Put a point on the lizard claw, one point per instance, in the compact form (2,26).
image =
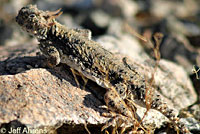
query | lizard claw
(116,121)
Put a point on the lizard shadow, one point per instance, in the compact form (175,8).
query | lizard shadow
(94,99)
(15,65)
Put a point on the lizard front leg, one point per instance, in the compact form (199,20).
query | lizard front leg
(53,59)
(50,52)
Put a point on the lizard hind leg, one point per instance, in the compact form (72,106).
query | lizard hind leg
(116,121)
(121,113)
(85,80)
(74,72)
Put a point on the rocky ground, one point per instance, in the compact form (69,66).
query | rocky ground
(42,100)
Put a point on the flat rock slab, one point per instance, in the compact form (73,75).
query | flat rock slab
(33,96)
(38,98)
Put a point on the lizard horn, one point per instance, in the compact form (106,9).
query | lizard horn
(55,14)
(52,15)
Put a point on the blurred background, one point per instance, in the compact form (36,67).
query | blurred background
(178,20)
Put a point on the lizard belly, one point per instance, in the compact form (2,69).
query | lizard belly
(85,72)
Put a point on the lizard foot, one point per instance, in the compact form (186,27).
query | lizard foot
(116,121)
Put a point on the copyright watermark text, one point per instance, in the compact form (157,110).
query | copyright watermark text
(22,130)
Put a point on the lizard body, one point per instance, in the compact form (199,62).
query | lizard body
(75,48)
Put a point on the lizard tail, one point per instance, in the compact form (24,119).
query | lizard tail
(158,105)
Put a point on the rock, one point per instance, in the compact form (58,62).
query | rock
(38,98)
(8,26)
(35,97)
(195,111)
(7,33)
(177,8)
(97,22)
(192,124)
(175,46)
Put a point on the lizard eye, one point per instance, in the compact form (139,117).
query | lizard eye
(32,16)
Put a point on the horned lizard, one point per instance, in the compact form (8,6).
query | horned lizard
(89,59)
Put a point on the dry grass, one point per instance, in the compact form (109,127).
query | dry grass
(149,84)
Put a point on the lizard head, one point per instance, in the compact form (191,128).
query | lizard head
(35,21)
